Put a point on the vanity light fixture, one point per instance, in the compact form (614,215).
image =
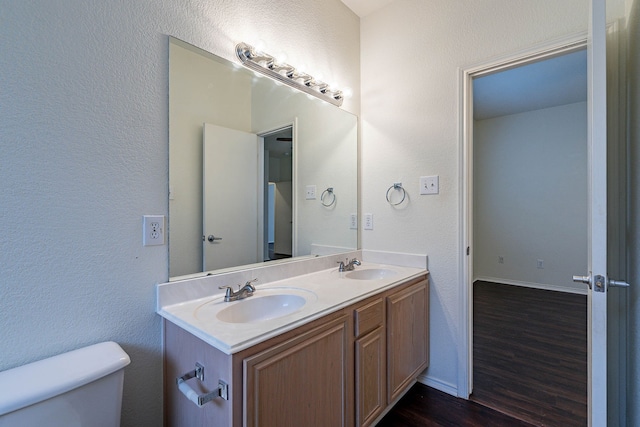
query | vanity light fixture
(285,73)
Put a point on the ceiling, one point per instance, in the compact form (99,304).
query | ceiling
(363,8)
(557,81)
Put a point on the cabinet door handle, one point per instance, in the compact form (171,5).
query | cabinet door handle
(200,399)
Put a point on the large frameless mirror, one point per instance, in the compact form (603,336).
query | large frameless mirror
(257,171)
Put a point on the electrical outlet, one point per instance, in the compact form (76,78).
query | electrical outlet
(540,264)
(153,230)
(353,221)
(429,184)
(310,192)
(368,221)
(500,259)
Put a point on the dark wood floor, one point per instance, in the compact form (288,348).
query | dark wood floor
(530,363)
(530,353)
(424,406)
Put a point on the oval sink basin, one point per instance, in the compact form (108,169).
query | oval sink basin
(371,274)
(260,308)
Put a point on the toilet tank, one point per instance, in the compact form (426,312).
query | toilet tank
(80,388)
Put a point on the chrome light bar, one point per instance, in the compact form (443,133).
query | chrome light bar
(285,73)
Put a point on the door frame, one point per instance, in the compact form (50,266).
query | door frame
(465,85)
(262,181)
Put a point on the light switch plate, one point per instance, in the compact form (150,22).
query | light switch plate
(353,221)
(310,192)
(368,221)
(429,184)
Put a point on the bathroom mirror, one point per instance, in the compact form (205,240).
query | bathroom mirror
(257,171)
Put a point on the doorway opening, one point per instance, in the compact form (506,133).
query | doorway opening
(278,191)
(524,220)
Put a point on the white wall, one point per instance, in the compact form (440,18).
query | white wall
(84,154)
(530,197)
(633,33)
(411,53)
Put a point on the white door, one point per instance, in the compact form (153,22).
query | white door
(597,274)
(230,198)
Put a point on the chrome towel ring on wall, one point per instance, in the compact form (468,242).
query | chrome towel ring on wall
(396,186)
(328,197)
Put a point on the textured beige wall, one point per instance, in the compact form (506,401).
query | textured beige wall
(84,155)
(412,51)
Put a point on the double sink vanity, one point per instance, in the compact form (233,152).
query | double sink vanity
(306,344)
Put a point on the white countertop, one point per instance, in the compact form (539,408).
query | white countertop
(326,291)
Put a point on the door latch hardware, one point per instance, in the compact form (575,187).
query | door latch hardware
(599,282)
(618,283)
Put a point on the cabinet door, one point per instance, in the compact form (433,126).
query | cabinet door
(370,377)
(407,337)
(303,381)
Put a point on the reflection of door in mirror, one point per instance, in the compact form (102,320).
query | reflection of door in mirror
(278,154)
(230,170)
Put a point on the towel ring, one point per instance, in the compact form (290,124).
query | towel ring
(397,186)
(326,193)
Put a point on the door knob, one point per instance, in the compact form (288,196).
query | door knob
(599,281)
(582,279)
(211,238)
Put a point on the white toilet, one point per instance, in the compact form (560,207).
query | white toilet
(80,388)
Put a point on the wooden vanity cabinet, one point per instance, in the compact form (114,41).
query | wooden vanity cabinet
(343,369)
(304,381)
(391,347)
(370,361)
(407,337)
(302,377)
(182,351)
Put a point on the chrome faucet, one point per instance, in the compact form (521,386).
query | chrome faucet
(347,265)
(246,291)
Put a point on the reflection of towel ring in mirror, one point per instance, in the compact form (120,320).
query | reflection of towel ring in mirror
(328,193)
(396,186)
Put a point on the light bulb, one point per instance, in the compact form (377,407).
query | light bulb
(260,45)
(281,58)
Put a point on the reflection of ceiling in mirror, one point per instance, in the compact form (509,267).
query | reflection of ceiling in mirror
(280,143)
(204,88)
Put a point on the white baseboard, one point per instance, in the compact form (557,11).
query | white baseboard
(543,286)
(439,385)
